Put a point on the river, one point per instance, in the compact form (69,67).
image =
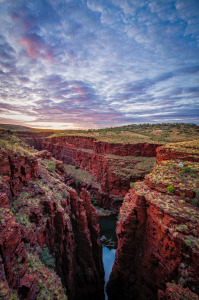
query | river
(109,243)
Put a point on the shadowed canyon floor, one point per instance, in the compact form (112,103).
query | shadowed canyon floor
(50,244)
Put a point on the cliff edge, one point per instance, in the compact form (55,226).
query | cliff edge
(158,232)
(49,236)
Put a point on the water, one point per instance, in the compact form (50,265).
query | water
(109,244)
(108,257)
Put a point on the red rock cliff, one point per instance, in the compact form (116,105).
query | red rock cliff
(158,233)
(39,213)
(102,160)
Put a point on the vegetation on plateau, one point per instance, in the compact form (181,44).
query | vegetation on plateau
(10,142)
(171,177)
(129,167)
(81,175)
(129,134)
(141,133)
(190,148)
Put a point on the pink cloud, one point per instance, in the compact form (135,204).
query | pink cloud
(80,91)
(31,47)
(23,79)
(35,47)
(49,57)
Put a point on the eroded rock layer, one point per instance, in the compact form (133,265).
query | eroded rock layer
(45,230)
(158,233)
(113,165)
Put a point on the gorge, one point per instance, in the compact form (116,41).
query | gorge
(46,209)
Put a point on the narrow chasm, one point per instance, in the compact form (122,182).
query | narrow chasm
(108,239)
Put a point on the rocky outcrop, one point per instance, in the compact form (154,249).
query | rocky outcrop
(185,151)
(17,169)
(89,269)
(13,258)
(90,143)
(45,221)
(158,234)
(176,292)
(79,179)
(33,138)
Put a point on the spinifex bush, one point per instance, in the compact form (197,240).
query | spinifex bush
(170,189)
(60,167)
(187,170)
(51,166)
(47,259)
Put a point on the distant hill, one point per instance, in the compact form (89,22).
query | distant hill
(128,134)
(151,133)
(14,127)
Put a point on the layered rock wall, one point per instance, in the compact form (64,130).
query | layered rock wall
(98,158)
(158,234)
(39,213)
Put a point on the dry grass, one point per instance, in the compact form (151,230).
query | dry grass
(144,133)
(190,147)
(81,175)
(128,167)
(10,142)
(181,178)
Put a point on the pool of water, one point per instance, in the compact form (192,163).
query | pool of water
(109,244)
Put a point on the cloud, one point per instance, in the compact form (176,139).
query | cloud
(189,70)
(96,6)
(35,47)
(98,63)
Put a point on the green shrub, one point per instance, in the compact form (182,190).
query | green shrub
(187,242)
(76,167)
(195,201)
(182,281)
(60,167)
(170,189)
(51,166)
(47,259)
(93,200)
(13,297)
(187,170)
(181,201)
(197,193)
(116,199)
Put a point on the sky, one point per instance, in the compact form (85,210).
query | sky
(98,63)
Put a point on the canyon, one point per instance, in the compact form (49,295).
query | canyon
(45,209)
(114,165)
